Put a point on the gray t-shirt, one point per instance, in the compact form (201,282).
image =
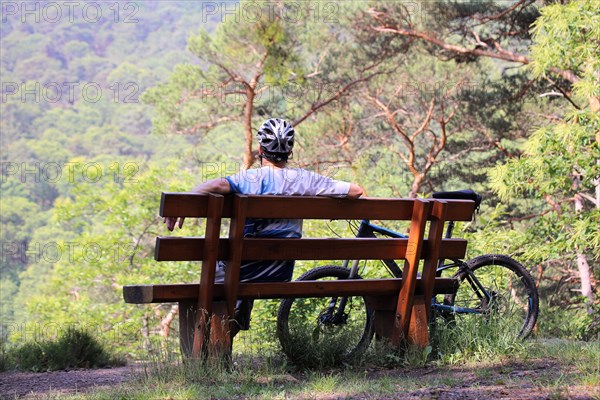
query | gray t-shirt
(278,181)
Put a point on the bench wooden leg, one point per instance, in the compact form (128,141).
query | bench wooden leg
(418,330)
(220,332)
(383,323)
(187,319)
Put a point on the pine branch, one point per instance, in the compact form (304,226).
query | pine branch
(479,51)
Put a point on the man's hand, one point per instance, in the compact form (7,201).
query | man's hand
(355,191)
(218,186)
(172,221)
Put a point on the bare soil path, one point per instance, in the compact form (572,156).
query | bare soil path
(15,385)
(535,379)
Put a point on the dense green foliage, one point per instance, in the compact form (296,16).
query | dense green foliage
(65,148)
(398,114)
(561,161)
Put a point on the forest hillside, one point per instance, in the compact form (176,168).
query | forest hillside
(106,104)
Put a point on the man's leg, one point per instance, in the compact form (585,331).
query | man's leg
(243,308)
(243,311)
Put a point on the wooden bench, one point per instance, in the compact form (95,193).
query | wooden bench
(402,305)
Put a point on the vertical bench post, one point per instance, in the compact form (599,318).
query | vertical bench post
(207,276)
(421,210)
(421,311)
(236,242)
(222,319)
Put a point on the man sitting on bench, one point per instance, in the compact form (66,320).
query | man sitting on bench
(276,140)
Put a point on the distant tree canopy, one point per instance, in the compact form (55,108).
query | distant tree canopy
(71,112)
(404,98)
(253,68)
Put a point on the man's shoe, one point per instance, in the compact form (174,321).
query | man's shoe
(242,314)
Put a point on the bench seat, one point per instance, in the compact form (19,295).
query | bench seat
(143,294)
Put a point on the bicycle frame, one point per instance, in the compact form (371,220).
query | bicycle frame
(367,229)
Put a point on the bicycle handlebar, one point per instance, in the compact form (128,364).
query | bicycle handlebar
(466,194)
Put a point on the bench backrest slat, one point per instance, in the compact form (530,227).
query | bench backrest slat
(192,205)
(191,249)
(306,207)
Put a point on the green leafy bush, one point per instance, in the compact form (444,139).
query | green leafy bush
(3,355)
(30,356)
(74,348)
(570,322)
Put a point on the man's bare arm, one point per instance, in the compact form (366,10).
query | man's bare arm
(217,186)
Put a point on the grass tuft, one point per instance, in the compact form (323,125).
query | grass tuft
(318,352)
(74,348)
(473,340)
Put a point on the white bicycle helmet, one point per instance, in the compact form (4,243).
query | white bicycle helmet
(276,136)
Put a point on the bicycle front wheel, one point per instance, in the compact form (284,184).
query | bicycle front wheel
(513,297)
(315,332)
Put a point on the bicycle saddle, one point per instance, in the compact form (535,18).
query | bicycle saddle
(467,194)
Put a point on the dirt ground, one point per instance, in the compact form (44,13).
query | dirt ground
(538,379)
(16,385)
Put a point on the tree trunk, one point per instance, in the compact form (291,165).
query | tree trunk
(583,267)
(165,323)
(145,333)
(248,154)
(416,185)
(586,278)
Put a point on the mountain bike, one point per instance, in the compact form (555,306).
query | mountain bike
(490,286)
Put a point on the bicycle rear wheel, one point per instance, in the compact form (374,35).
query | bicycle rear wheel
(514,299)
(312,333)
